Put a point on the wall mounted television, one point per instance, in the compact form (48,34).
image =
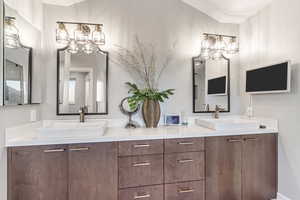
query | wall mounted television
(274,78)
(217,86)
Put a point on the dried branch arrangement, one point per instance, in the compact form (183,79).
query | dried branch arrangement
(143,64)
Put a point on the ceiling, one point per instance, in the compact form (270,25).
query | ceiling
(229,11)
(224,11)
(62,2)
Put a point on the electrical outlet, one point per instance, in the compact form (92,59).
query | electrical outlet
(33,116)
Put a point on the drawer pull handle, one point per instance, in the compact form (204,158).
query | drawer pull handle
(142,196)
(234,140)
(185,161)
(80,149)
(141,145)
(141,164)
(250,139)
(185,191)
(54,150)
(185,143)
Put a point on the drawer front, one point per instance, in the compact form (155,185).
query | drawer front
(184,145)
(140,171)
(184,167)
(185,191)
(141,193)
(134,148)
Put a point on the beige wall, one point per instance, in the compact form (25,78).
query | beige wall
(270,36)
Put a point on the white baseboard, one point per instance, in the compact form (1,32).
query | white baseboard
(282,197)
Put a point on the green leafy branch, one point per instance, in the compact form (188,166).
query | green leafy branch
(140,95)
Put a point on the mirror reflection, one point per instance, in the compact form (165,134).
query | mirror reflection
(82,82)
(211,82)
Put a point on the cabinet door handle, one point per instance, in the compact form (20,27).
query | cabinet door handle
(250,139)
(142,196)
(141,145)
(80,149)
(141,164)
(185,143)
(185,160)
(185,191)
(54,150)
(234,140)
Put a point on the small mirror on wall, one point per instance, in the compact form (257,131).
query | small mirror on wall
(211,85)
(82,81)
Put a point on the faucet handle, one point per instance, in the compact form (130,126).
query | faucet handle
(219,108)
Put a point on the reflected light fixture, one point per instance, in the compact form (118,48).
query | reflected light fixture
(216,46)
(82,39)
(11,33)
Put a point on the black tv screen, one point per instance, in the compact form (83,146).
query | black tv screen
(268,79)
(217,86)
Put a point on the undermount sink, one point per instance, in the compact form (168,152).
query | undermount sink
(228,124)
(72,128)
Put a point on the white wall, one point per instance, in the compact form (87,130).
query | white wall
(270,36)
(159,22)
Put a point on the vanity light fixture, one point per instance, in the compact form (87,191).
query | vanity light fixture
(216,46)
(82,38)
(11,33)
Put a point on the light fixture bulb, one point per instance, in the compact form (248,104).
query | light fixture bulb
(62,35)
(73,47)
(88,47)
(205,44)
(98,35)
(11,33)
(233,46)
(82,33)
(219,44)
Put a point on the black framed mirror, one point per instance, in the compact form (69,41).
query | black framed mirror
(211,85)
(82,80)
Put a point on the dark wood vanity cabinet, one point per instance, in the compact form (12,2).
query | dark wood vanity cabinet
(38,173)
(62,172)
(212,168)
(242,167)
(93,171)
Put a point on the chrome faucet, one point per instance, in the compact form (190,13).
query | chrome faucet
(82,111)
(217,112)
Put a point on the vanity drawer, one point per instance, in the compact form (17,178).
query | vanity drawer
(148,193)
(134,148)
(140,171)
(184,145)
(185,191)
(184,167)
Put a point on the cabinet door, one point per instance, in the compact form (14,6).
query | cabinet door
(223,168)
(38,173)
(259,167)
(93,172)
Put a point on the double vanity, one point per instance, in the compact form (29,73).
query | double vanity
(230,161)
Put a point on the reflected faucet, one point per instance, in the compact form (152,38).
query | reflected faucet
(217,112)
(82,111)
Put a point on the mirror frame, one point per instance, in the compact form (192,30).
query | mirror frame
(228,86)
(57,84)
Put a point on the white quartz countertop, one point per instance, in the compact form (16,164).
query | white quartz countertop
(27,135)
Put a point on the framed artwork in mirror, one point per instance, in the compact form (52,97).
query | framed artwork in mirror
(82,80)
(211,85)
